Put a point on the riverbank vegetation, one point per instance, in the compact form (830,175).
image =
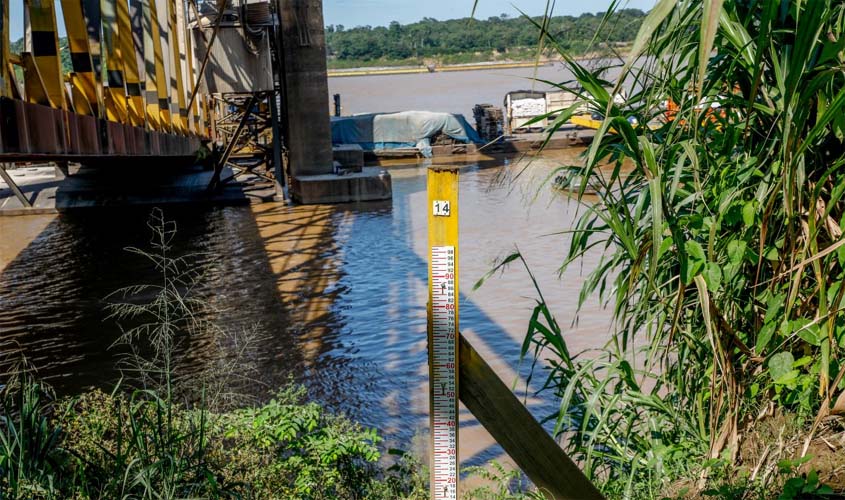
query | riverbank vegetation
(459,41)
(719,233)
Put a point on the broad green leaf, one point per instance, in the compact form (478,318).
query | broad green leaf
(749,213)
(695,251)
(695,261)
(713,275)
(780,366)
(810,333)
(764,337)
(736,251)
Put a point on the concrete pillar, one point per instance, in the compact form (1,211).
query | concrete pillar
(306,93)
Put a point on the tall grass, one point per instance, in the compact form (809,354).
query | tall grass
(722,256)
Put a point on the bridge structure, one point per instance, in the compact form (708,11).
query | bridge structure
(240,83)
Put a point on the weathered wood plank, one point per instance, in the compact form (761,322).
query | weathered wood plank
(516,430)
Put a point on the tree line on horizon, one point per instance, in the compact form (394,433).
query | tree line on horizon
(431,38)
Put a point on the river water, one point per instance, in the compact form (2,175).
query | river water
(448,92)
(333,296)
(336,294)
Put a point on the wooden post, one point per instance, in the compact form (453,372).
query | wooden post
(513,427)
(443,323)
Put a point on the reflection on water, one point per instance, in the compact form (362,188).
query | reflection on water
(338,292)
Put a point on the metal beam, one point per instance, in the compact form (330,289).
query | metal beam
(93,22)
(45,48)
(218,169)
(14,187)
(221,4)
(176,82)
(134,96)
(34,87)
(190,46)
(149,55)
(278,167)
(83,82)
(162,86)
(116,109)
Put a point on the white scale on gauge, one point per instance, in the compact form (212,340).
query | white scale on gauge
(444,374)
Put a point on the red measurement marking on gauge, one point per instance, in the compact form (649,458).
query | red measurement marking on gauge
(444,376)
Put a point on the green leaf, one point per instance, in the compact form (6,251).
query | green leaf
(764,337)
(713,275)
(749,213)
(780,366)
(695,261)
(736,251)
(709,26)
(810,333)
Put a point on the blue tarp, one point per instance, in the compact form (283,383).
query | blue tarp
(407,129)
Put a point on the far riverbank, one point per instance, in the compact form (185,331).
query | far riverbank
(527,60)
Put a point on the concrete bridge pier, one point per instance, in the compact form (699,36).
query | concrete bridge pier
(306,119)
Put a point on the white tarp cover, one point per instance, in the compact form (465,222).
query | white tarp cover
(401,130)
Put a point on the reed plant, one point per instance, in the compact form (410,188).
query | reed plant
(719,228)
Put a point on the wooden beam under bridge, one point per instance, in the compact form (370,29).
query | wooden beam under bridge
(516,430)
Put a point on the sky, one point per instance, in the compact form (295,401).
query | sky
(351,13)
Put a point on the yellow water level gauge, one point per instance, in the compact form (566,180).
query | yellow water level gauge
(443,331)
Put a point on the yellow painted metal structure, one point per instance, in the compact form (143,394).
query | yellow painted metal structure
(177,81)
(83,82)
(36,91)
(131,75)
(45,49)
(115,95)
(153,112)
(586,121)
(162,86)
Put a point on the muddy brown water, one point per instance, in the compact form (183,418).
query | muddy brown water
(337,292)
(448,92)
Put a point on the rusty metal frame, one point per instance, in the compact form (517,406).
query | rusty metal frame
(233,140)
(13,186)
